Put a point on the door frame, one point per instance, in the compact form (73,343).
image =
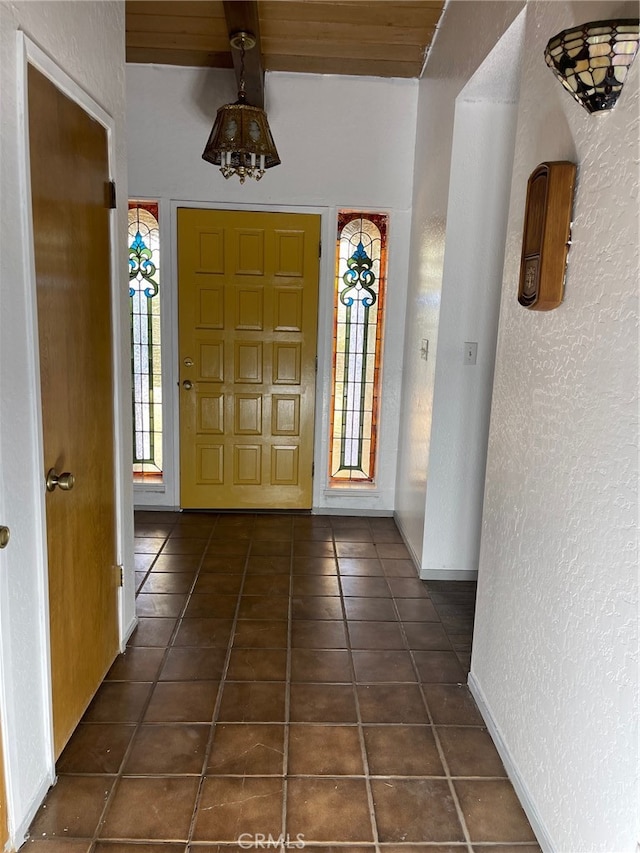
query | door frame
(323,344)
(29,53)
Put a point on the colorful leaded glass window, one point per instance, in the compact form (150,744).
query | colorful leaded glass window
(357,345)
(146,373)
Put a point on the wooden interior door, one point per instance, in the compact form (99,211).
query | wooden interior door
(69,182)
(248,311)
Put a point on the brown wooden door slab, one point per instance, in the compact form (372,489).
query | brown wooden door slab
(69,174)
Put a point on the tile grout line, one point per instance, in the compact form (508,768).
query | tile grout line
(434,732)
(137,723)
(354,687)
(221,687)
(437,606)
(169,646)
(287,693)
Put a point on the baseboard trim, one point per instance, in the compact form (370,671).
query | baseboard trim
(21,833)
(428,574)
(128,632)
(520,786)
(138,507)
(356,513)
(412,553)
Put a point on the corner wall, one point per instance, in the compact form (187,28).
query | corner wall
(467,34)
(87,41)
(482,157)
(556,644)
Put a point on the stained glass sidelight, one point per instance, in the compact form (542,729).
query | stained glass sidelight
(144,280)
(357,345)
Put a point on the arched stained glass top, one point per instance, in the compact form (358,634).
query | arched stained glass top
(144,248)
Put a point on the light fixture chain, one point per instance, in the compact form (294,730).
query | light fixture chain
(242,52)
(240,141)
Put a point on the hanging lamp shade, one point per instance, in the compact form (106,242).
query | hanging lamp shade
(240,141)
(592,61)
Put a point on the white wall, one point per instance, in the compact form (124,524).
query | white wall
(480,183)
(86,40)
(344,142)
(555,646)
(465,38)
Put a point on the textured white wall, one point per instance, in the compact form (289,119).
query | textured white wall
(344,142)
(468,33)
(555,646)
(87,41)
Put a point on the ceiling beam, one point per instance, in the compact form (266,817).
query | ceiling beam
(242,15)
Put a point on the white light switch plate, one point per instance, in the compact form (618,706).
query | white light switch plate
(470,352)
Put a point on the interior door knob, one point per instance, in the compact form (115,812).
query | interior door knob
(187,385)
(65,481)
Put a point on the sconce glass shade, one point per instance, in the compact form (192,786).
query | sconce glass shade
(592,61)
(241,142)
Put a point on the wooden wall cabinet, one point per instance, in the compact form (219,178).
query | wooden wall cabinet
(545,241)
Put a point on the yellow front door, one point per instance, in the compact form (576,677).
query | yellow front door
(69,176)
(248,308)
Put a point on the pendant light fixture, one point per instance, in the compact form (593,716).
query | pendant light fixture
(241,142)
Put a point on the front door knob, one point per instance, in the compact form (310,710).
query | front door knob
(65,481)
(187,385)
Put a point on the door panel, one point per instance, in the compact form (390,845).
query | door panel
(69,175)
(248,303)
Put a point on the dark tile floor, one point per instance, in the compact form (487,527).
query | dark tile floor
(291,682)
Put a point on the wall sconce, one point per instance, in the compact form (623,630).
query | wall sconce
(240,141)
(592,61)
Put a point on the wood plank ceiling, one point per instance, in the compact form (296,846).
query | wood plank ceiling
(362,37)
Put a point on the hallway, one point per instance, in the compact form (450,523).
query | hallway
(290,676)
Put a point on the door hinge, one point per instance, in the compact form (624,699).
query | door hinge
(316,364)
(313,468)
(119,575)
(320,249)
(111,195)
